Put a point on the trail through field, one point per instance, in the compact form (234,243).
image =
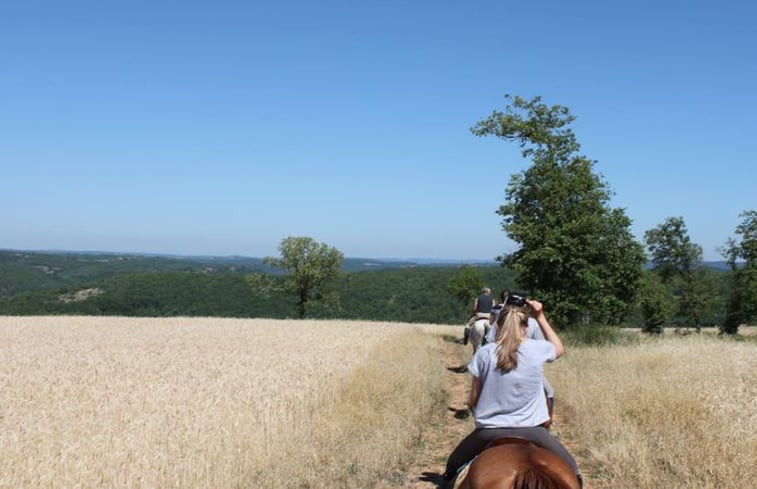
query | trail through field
(448,428)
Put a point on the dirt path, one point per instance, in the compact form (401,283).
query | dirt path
(449,428)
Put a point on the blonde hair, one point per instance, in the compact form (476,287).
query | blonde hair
(510,337)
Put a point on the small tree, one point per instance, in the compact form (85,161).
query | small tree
(308,265)
(465,285)
(742,257)
(672,252)
(678,263)
(699,301)
(655,303)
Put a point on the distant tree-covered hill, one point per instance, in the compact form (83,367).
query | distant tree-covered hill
(28,271)
(22,271)
(407,295)
(140,285)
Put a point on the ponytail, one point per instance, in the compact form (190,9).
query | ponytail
(510,337)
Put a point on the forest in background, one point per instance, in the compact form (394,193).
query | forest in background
(134,285)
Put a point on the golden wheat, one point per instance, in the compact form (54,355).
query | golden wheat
(156,403)
(673,412)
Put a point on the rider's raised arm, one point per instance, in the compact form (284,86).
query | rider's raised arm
(546,328)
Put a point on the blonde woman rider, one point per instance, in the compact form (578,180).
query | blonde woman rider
(517,299)
(507,394)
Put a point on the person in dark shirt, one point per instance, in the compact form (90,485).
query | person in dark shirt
(482,309)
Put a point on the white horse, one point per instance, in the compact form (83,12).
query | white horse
(478,332)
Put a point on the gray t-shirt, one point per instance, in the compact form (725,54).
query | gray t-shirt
(534,332)
(512,399)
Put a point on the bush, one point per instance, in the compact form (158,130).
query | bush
(656,306)
(596,335)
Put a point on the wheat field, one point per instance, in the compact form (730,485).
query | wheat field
(675,412)
(93,402)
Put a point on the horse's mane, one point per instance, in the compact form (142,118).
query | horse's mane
(532,478)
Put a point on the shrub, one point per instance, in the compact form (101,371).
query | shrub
(596,335)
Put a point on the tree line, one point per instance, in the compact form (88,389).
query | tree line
(441,295)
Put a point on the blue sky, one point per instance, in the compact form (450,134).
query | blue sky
(222,127)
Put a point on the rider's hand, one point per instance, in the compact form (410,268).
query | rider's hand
(536,306)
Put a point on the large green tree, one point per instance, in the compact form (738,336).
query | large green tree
(575,253)
(742,257)
(308,266)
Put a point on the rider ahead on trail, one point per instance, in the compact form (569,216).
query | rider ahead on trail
(507,392)
(482,309)
(482,306)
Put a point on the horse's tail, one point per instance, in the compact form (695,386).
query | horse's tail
(532,478)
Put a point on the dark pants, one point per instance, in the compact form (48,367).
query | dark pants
(475,443)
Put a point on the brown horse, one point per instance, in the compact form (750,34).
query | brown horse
(516,463)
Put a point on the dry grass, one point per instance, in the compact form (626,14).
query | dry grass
(744,331)
(159,403)
(748,331)
(672,412)
(222,403)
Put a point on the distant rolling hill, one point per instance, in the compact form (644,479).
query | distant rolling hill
(43,283)
(22,270)
(101,283)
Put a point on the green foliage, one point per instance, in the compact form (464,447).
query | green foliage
(22,271)
(464,286)
(224,287)
(672,252)
(309,265)
(742,257)
(656,307)
(698,299)
(678,263)
(619,268)
(416,295)
(595,335)
(576,253)
(262,285)
(158,294)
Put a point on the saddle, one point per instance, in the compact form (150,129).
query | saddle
(511,440)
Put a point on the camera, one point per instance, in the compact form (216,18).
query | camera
(516,299)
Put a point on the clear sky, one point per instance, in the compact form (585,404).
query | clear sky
(222,127)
